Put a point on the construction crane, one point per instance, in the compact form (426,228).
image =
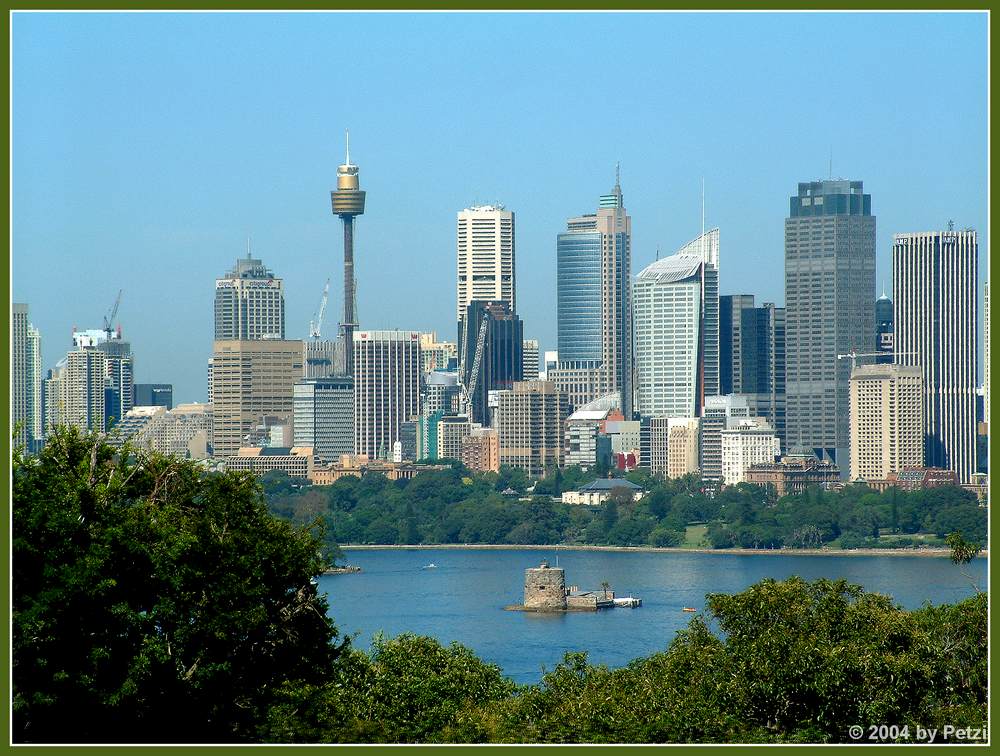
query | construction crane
(109,319)
(477,361)
(854,356)
(316,324)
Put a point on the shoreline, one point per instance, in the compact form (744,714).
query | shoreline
(930,552)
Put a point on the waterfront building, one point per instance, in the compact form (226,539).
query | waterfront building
(829,291)
(481,450)
(935,278)
(886,422)
(530,370)
(323,416)
(597,492)
(249,303)
(793,473)
(746,445)
(296,461)
(486,269)
(252,380)
(387,382)
(721,413)
(490,354)
(154,395)
(593,303)
(530,421)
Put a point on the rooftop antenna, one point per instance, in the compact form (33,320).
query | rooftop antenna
(248,246)
(347,139)
(618,173)
(702,217)
(657,251)
(951,225)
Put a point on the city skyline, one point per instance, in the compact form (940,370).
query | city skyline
(161,208)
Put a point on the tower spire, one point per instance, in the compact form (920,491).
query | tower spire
(347,139)
(618,175)
(702,217)
(248,246)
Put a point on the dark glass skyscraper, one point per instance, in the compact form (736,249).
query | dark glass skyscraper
(491,344)
(829,295)
(593,304)
(752,356)
(883,328)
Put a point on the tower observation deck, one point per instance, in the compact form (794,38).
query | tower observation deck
(348,201)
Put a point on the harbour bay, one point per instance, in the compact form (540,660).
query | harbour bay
(462,597)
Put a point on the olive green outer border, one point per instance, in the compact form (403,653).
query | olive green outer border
(201,5)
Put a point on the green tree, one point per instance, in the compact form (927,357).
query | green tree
(154,602)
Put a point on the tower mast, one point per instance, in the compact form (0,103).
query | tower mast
(348,201)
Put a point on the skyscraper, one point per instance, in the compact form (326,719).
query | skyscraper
(934,282)
(387,383)
(883,328)
(676,303)
(19,387)
(593,302)
(249,303)
(829,291)
(324,416)
(752,356)
(251,381)
(531,366)
(33,363)
(485,244)
(490,353)
(886,420)
(348,201)
(530,420)
(82,389)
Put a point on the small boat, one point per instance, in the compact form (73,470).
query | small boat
(430,566)
(689,609)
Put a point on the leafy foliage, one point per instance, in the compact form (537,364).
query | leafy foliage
(153,601)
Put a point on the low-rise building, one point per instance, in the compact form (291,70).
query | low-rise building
(794,473)
(359,465)
(296,461)
(600,490)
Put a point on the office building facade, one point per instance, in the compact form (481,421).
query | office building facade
(887,431)
(829,291)
(593,303)
(323,416)
(485,245)
(531,368)
(935,321)
(491,341)
(252,385)
(249,303)
(530,421)
(387,385)
(747,445)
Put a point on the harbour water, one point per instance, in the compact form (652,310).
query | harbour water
(462,598)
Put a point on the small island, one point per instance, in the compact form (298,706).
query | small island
(545,591)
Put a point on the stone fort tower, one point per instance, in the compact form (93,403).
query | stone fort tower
(545,588)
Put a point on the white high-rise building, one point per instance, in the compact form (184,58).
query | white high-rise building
(935,317)
(750,443)
(667,297)
(19,415)
(387,380)
(249,303)
(485,256)
(82,387)
(887,431)
(33,359)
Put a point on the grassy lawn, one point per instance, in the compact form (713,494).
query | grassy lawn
(694,537)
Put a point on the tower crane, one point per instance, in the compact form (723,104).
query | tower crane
(317,324)
(854,356)
(477,361)
(109,319)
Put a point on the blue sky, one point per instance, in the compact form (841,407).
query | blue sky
(147,147)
